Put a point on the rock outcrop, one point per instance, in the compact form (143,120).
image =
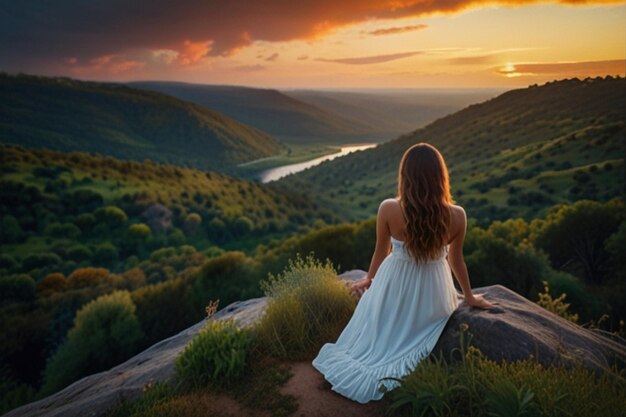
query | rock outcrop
(515,329)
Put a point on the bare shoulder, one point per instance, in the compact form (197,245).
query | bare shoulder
(458,221)
(458,212)
(389,204)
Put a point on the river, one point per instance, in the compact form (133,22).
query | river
(273,174)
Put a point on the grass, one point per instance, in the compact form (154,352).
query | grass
(308,307)
(476,386)
(466,384)
(536,137)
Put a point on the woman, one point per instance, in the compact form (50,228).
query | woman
(408,295)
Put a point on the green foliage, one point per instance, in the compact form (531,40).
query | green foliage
(112,216)
(17,287)
(105,254)
(308,307)
(574,235)
(228,277)
(492,260)
(124,122)
(474,386)
(153,396)
(105,332)
(11,230)
(139,231)
(163,309)
(13,394)
(63,230)
(557,305)
(532,139)
(433,395)
(216,355)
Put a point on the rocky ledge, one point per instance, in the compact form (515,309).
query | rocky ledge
(515,329)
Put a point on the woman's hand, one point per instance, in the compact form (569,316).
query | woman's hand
(478,301)
(358,288)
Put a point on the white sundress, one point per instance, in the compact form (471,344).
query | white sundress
(395,325)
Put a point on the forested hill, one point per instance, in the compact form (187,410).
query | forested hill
(117,120)
(284,117)
(513,155)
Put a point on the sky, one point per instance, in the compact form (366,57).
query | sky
(335,44)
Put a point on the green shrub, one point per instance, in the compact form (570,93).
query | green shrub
(139,231)
(216,356)
(308,307)
(17,287)
(476,386)
(63,230)
(105,253)
(79,253)
(556,305)
(105,332)
(229,277)
(11,230)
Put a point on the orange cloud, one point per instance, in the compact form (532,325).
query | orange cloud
(204,28)
(579,69)
(112,64)
(375,59)
(193,52)
(395,30)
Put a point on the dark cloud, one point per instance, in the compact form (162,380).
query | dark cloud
(272,57)
(395,30)
(37,34)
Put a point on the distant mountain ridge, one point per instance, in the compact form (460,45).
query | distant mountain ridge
(393,112)
(124,122)
(281,115)
(513,155)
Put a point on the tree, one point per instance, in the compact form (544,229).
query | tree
(574,236)
(17,287)
(11,232)
(106,331)
(139,232)
(192,221)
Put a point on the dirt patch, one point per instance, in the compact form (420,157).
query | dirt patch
(316,399)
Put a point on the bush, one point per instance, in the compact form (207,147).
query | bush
(79,253)
(308,307)
(229,277)
(41,260)
(17,287)
(11,230)
(162,310)
(556,305)
(216,356)
(63,230)
(105,254)
(477,386)
(139,231)
(105,332)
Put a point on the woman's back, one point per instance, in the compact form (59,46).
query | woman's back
(409,291)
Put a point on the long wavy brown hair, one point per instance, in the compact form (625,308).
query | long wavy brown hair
(424,195)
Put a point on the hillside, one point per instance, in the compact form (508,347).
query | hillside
(282,116)
(392,112)
(120,121)
(52,202)
(513,155)
(527,330)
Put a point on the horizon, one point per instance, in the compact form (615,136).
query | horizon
(349,46)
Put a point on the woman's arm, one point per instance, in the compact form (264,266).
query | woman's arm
(383,246)
(457,262)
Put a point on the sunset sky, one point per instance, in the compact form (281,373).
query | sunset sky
(316,44)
